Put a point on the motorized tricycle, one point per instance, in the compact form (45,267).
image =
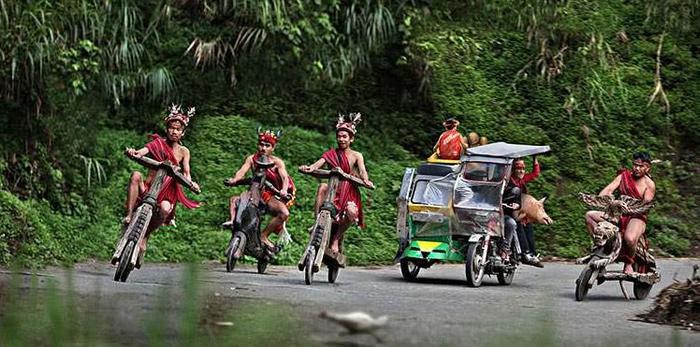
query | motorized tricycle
(607,244)
(453,211)
(127,254)
(250,209)
(317,250)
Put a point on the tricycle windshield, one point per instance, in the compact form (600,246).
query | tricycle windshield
(436,191)
(484,172)
(477,195)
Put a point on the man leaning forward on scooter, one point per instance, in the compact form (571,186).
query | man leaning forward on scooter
(348,201)
(162,149)
(277,175)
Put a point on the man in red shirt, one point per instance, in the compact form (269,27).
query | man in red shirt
(451,143)
(526,234)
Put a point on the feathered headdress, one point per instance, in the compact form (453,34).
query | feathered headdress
(348,122)
(269,136)
(177,114)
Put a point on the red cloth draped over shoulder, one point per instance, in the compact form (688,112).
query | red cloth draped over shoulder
(450,145)
(627,187)
(171,190)
(346,192)
(273,176)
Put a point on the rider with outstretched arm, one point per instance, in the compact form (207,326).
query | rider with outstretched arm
(526,233)
(348,201)
(167,148)
(637,184)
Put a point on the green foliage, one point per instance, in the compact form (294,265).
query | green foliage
(25,238)
(576,75)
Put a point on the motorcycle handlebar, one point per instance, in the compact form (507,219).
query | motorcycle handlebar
(169,168)
(243,182)
(320,173)
(246,181)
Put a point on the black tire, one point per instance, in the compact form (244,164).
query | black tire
(262,266)
(232,250)
(333,271)
(309,266)
(124,267)
(582,283)
(505,278)
(641,290)
(409,270)
(474,266)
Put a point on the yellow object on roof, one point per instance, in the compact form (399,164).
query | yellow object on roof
(427,208)
(434,159)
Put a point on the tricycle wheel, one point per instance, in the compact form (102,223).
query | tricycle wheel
(262,266)
(232,250)
(474,264)
(309,266)
(582,283)
(124,267)
(505,278)
(409,270)
(333,271)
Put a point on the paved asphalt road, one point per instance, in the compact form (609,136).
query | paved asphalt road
(438,309)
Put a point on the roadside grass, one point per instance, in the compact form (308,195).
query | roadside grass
(41,311)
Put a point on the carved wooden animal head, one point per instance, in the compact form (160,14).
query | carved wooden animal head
(533,210)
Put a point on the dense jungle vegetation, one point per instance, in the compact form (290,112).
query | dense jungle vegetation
(80,80)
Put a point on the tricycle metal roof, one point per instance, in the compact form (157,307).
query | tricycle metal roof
(506,150)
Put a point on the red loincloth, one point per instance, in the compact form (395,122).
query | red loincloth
(274,177)
(346,192)
(627,187)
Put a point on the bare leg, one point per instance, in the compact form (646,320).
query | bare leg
(634,231)
(350,218)
(592,219)
(320,196)
(280,214)
(133,191)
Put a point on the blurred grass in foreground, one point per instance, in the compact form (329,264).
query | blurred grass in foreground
(36,310)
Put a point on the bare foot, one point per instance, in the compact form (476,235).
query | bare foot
(127,220)
(628,269)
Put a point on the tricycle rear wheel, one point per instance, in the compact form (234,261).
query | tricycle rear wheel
(409,270)
(505,278)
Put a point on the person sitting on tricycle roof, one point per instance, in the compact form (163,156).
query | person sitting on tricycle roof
(451,144)
(277,175)
(348,201)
